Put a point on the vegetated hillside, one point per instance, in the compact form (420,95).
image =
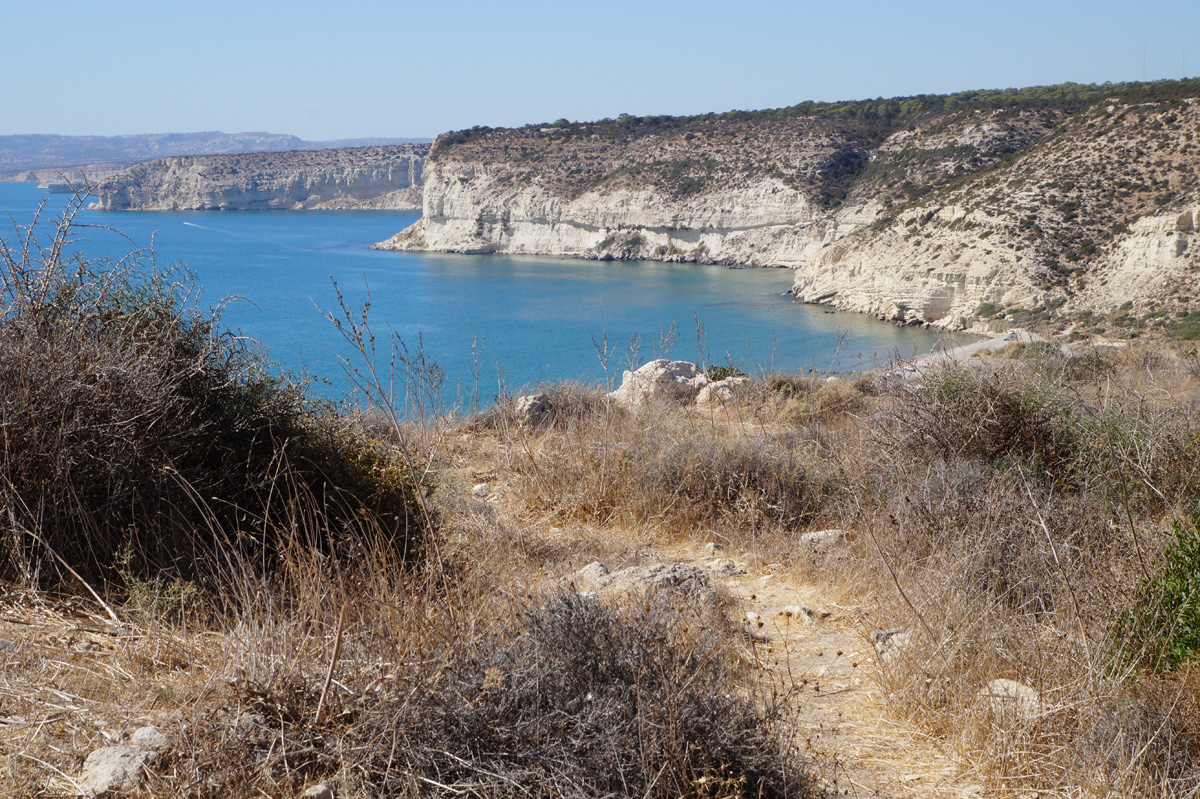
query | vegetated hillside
(1098,212)
(818,187)
(361,177)
(39,151)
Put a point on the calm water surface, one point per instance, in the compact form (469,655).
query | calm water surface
(532,319)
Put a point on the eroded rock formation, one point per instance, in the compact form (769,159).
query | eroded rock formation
(360,177)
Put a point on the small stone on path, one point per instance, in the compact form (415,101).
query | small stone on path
(322,790)
(150,738)
(727,568)
(114,768)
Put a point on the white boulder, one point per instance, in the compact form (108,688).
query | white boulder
(721,391)
(534,408)
(1009,697)
(114,768)
(661,379)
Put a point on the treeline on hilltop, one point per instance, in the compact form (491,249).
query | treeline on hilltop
(874,119)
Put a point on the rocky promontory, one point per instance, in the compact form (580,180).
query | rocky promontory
(384,177)
(947,210)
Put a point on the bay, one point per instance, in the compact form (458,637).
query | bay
(491,323)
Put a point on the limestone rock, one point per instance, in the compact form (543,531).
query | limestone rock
(661,379)
(534,408)
(481,490)
(358,177)
(726,567)
(965,249)
(1013,698)
(590,576)
(150,738)
(114,768)
(721,392)
(889,643)
(682,581)
(322,790)
(822,539)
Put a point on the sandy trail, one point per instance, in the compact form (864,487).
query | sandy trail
(830,670)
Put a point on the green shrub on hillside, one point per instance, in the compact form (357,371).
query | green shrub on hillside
(716,372)
(1161,632)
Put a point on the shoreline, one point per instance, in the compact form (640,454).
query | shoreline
(990,341)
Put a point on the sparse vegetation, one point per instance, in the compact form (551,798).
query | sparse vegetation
(1161,631)
(156,470)
(301,593)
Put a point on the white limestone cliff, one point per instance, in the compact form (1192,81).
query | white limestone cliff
(384,177)
(953,221)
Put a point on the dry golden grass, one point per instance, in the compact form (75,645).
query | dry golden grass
(999,512)
(1004,511)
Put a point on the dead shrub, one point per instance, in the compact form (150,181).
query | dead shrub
(988,414)
(830,399)
(743,482)
(578,700)
(674,475)
(570,404)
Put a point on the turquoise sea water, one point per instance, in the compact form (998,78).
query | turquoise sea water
(533,319)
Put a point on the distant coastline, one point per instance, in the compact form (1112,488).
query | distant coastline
(387,177)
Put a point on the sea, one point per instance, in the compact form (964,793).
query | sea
(491,324)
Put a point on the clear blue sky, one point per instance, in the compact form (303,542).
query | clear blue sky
(325,70)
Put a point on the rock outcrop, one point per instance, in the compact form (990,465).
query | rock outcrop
(661,380)
(947,211)
(354,178)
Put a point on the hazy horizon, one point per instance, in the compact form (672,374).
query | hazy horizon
(386,70)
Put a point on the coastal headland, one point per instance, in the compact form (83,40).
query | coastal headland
(384,177)
(978,210)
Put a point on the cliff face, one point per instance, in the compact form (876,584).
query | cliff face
(361,177)
(1094,214)
(944,217)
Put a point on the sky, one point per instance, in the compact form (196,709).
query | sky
(327,70)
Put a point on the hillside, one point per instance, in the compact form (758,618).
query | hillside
(31,156)
(362,177)
(940,210)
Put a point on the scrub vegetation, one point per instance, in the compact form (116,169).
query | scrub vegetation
(296,592)
(190,540)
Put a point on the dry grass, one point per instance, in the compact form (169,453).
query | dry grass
(272,584)
(1005,511)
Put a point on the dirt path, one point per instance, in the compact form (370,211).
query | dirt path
(820,651)
(823,659)
(965,351)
